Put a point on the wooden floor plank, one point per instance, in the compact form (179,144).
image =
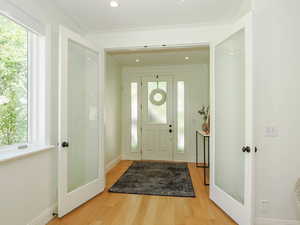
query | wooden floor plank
(127,209)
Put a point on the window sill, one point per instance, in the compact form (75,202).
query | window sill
(10,154)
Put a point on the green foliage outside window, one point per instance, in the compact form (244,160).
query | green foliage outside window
(13,82)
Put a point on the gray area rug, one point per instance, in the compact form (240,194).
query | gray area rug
(156,178)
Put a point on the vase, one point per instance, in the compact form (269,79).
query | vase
(205,127)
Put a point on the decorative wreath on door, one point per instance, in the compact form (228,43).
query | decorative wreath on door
(158,96)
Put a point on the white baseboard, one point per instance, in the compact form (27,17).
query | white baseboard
(137,157)
(132,156)
(44,217)
(112,164)
(268,221)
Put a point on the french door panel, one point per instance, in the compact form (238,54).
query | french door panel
(81,167)
(231,125)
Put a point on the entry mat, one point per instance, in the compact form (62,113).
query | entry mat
(156,178)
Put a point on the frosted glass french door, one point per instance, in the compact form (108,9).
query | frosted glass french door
(231,184)
(81,174)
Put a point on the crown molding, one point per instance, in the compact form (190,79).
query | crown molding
(163,27)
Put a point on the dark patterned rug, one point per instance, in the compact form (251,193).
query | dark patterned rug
(156,178)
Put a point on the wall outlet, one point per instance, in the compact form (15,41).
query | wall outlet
(264,207)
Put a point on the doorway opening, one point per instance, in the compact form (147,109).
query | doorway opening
(162,91)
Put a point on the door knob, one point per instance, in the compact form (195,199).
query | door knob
(65,144)
(170,130)
(246,149)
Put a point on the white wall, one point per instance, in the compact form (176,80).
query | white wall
(277,79)
(196,78)
(112,113)
(29,185)
(28,188)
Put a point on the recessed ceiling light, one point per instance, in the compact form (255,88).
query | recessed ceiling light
(137,60)
(187,58)
(114,4)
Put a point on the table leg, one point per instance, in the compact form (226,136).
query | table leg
(208,157)
(204,153)
(204,160)
(196,149)
(207,167)
(197,163)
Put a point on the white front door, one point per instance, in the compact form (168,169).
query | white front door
(81,167)
(231,127)
(157,120)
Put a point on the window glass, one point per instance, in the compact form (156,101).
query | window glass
(134,116)
(13,83)
(157,113)
(180,116)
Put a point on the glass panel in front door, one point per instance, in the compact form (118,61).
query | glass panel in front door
(157,113)
(230,116)
(82,114)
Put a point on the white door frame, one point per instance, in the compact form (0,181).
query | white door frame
(68,201)
(136,75)
(242,214)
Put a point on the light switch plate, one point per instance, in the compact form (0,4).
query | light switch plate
(271,131)
(264,207)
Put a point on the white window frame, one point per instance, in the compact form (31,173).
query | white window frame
(38,87)
(36,90)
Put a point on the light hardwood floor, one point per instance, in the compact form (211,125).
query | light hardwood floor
(127,209)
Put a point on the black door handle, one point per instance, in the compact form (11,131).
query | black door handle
(65,144)
(246,149)
(170,131)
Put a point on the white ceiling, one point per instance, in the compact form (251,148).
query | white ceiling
(197,55)
(97,15)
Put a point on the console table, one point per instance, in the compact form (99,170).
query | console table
(206,165)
